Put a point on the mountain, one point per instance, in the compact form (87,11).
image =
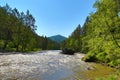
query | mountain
(57,38)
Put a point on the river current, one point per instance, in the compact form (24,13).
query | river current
(42,65)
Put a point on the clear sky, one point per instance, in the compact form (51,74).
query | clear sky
(55,16)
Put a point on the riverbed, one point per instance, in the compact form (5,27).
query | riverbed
(48,65)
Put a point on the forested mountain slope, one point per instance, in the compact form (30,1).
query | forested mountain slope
(57,38)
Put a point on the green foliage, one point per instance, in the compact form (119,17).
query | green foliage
(99,37)
(74,41)
(17,32)
(101,34)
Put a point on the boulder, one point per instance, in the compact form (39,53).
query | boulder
(68,51)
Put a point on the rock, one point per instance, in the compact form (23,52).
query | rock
(68,51)
(90,68)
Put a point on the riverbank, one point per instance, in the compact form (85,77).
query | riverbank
(96,71)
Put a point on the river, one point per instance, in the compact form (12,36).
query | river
(44,65)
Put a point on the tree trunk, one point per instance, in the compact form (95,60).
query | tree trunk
(5,45)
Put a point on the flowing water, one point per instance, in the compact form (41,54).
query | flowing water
(43,65)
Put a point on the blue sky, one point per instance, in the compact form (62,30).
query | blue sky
(55,16)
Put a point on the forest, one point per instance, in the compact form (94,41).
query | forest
(99,37)
(17,32)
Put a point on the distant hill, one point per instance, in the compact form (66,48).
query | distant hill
(57,38)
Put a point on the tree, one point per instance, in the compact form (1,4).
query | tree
(102,35)
(17,32)
(74,41)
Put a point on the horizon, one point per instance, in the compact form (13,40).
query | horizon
(53,17)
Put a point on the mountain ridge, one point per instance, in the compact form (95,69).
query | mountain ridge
(57,38)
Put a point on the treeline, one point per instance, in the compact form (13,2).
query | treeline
(17,32)
(99,37)
(74,41)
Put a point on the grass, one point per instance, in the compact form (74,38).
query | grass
(111,77)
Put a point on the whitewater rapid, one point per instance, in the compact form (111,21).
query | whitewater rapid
(42,65)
